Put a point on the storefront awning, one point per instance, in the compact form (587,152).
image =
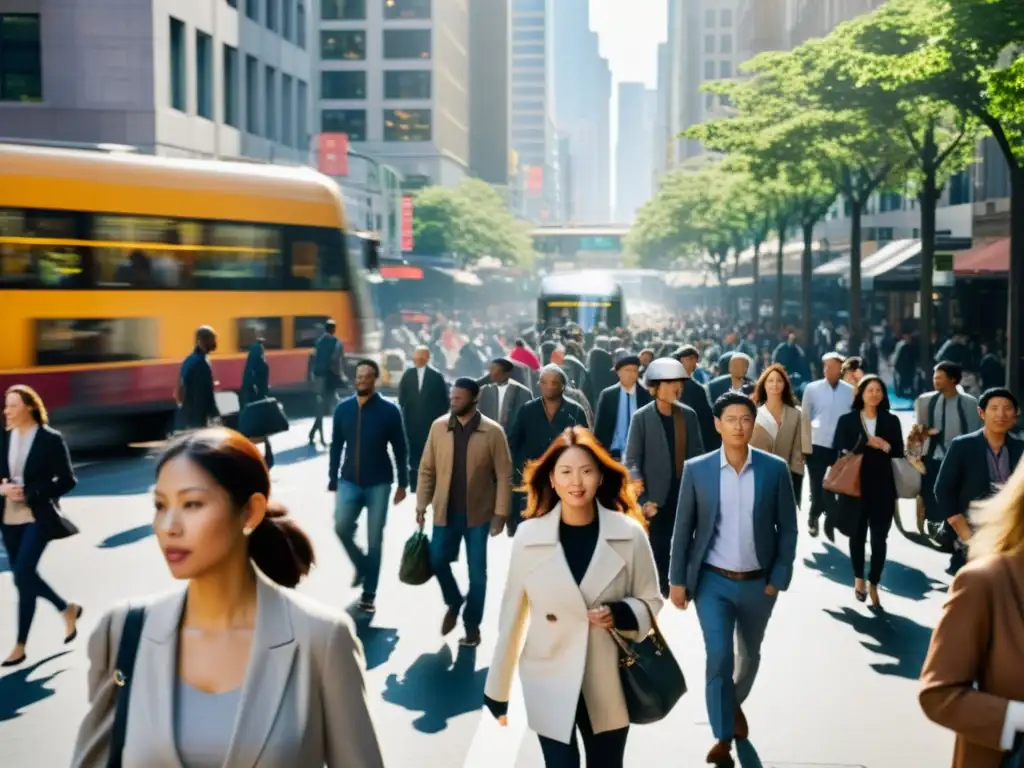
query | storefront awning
(988,260)
(840,267)
(882,263)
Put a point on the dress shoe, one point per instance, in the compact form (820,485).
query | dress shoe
(472,638)
(74,630)
(14,662)
(451,618)
(721,755)
(739,726)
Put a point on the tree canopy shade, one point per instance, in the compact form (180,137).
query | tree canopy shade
(470,221)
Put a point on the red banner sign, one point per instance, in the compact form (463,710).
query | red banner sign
(407,239)
(535,180)
(333,155)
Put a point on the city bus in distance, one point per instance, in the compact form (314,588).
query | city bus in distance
(110,260)
(585,298)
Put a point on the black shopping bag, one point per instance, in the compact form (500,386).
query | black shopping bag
(415,568)
(262,418)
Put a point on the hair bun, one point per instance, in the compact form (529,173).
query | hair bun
(280,548)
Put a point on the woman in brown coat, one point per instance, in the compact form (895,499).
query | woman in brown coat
(778,426)
(973,678)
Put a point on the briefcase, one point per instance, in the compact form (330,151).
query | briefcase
(262,418)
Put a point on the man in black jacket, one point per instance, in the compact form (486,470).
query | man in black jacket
(696,396)
(197,406)
(423,397)
(617,404)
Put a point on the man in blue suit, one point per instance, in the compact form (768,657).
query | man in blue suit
(733,549)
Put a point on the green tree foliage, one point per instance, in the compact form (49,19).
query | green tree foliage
(470,221)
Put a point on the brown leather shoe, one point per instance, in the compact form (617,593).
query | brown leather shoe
(740,727)
(721,755)
(451,618)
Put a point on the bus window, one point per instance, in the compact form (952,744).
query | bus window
(316,260)
(308,330)
(40,249)
(267,328)
(98,340)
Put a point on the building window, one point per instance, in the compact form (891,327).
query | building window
(342,85)
(725,45)
(529,49)
(528,35)
(528,76)
(300,24)
(709,70)
(271,15)
(527,90)
(709,43)
(287,138)
(709,19)
(709,100)
(230,86)
(348,121)
(407,9)
(21,71)
(270,103)
(252,100)
(204,75)
(303,116)
(407,84)
(726,17)
(346,10)
(725,68)
(286,19)
(528,106)
(339,44)
(178,88)
(252,9)
(407,125)
(407,44)
(529,6)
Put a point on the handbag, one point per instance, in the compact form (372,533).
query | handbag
(652,681)
(262,418)
(907,479)
(415,567)
(844,475)
(127,650)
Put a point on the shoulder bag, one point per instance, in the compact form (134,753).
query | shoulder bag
(652,681)
(844,475)
(127,650)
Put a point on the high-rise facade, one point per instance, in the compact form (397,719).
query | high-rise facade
(189,78)
(394,77)
(634,151)
(489,90)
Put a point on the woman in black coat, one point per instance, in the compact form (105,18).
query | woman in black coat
(35,471)
(256,386)
(871,430)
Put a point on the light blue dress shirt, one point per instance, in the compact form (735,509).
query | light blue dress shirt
(733,546)
(824,404)
(627,406)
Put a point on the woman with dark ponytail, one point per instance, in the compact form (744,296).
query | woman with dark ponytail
(235,669)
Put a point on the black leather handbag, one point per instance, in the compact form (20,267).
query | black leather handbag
(652,681)
(262,418)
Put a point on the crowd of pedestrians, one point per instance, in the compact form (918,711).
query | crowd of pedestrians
(626,472)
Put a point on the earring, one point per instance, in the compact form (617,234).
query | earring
(246,531)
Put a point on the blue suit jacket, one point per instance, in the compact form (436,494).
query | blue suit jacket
(775,530)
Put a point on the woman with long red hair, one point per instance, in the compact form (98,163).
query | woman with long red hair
(581,566)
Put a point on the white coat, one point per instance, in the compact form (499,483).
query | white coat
(563,654)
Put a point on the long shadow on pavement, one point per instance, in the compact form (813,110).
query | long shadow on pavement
(438,688)
(124,478)
(897,637)
(297,455)
(897,578)
(18,692)
(124,538)
(378,642)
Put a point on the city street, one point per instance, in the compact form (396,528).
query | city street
(837,685)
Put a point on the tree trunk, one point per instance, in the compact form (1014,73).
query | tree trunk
(806,269)
(1015,326)
(755,295)
(856,210)
(929,198)
(723,284)
(779,271)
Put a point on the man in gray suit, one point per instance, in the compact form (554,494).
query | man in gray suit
(662,436)
(503,396)
(732,553)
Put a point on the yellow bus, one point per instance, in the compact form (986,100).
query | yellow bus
(110,260)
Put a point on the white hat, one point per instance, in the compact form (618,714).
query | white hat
(664,369)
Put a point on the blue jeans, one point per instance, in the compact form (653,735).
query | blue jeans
(25,545)
(444,548)
(728,609)
(349,504)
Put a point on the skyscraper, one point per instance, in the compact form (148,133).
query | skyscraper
(489,90)
(633,154)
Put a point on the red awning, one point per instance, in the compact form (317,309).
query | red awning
(991,258)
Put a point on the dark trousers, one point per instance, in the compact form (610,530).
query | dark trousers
(817,464)
(25,545)
(604,750)
(445,541)
(326,390)
(876,518)
(660,536)
(798,487)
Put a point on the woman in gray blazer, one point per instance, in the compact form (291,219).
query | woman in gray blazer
(236,669)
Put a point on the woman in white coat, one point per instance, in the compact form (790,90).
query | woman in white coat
(581,565)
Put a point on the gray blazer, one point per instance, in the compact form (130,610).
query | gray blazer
(515,398)
(648,452)
(775,530)
(303,701)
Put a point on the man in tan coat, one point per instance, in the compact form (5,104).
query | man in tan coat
(466,476)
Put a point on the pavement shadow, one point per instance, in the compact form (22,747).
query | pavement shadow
(439,688)
(901,639)
(127,537)
(18,692)
(296,455)
(748,757)
(833,564)
(5,562)
(120,479)
(378,642)
(897,578)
